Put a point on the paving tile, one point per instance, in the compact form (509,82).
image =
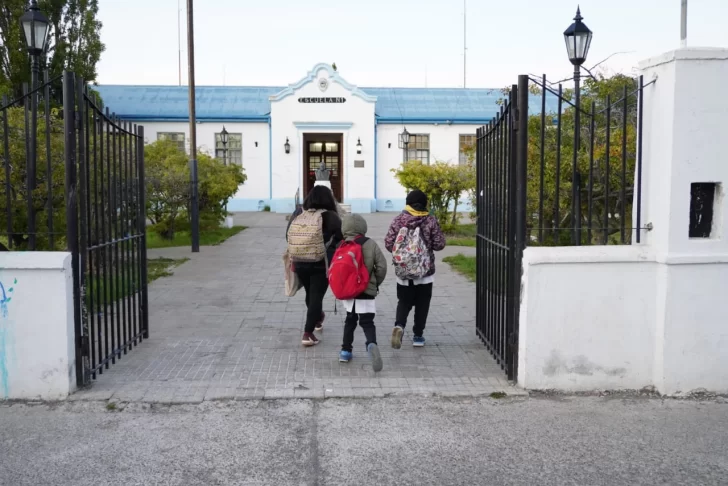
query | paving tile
(221,328)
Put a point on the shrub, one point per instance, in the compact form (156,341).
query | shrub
(443,183)
(168,188)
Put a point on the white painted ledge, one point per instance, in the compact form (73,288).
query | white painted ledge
(34,260)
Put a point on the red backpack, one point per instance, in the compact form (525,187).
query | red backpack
(348,276)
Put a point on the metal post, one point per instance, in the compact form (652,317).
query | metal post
(521,171)
(32,149)
(575,207)
(69,128)
(194,200)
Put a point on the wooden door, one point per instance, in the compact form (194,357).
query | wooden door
(324,148)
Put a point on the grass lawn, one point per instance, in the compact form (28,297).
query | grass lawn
(463,235)
(100,290)
(183,238)
(462,264)
(160,267)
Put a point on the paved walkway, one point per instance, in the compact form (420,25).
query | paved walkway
(222,328)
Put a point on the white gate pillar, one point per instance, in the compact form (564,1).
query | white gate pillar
(685,152)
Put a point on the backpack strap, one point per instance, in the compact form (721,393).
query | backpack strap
(361,240)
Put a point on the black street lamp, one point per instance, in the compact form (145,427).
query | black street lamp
(578,39)
(404,137)
(358,146)
(287,146)
(224,139)
(35,28)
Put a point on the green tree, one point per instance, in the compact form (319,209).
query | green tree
(74,41)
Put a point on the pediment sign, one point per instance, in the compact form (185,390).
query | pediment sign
(323,75)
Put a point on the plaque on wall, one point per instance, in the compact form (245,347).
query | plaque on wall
(358,164)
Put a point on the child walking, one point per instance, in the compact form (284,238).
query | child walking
(413,238)
(357,271)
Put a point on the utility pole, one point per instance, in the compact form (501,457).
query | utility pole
(194,200)
(683,23)
(465,43)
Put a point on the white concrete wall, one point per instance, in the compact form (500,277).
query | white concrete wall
(587,318)
(655,313)
(37,350)
(255,159)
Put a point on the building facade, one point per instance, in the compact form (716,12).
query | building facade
(280,135)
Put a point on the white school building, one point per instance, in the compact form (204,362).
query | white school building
(280,135)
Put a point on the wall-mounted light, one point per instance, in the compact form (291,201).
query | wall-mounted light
(256,144)
(389,145)
(358,146)
(287,146)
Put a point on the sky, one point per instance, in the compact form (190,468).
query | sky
(389,43)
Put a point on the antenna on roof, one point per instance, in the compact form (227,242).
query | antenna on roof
(684,23)
(179,45)
(465,43)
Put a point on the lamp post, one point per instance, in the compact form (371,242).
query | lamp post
(35,27)
(224,139)
(404,137)
(578,39)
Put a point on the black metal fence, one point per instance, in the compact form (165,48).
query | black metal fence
(500,201)
(32,209)
(74,180)
(585,165)
(112,302)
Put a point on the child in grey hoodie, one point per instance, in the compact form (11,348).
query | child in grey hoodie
(362,309)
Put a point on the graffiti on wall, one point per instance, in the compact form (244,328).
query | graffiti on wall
(7,348)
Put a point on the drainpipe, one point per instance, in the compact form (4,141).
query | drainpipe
(376,142)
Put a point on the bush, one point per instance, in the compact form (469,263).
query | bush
(168,188)
(443,183)
(19,187)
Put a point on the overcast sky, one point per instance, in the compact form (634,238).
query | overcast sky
(409,43)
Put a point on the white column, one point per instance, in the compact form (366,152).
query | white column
(685,141)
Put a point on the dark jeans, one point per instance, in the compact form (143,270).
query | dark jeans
(417,296)
(315,284)
(366,321)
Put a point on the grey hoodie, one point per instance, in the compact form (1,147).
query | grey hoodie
(353,226)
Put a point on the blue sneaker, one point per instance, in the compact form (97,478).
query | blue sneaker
(376,356)
(345,356)
(418,341)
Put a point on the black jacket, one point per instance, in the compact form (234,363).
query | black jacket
(331,225)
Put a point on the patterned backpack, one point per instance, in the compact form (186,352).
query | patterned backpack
(306,237)
(410,256)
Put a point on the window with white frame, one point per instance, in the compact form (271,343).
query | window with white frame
(176,137)
(466,150)
(418,148)
(234,148)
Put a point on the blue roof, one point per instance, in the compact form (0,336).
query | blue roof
(242,103)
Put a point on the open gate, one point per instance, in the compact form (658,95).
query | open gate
(501,226)
(106,220)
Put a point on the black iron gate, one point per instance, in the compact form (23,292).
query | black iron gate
(501,224)
(106,219)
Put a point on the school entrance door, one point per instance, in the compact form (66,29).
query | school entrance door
(326,148)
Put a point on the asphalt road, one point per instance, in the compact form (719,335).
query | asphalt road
(418,440)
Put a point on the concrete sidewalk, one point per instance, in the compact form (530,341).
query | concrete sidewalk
(221,327)
(391,441)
